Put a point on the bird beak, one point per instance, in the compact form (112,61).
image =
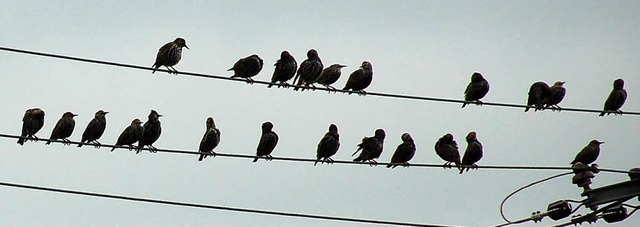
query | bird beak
(186,46)
(159,115)
(342,66)
(106,112)
(600,142)
(562,82)
(75,115)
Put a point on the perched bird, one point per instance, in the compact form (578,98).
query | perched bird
(152,130)
(477,89)
(538,93)
(330,75)
(473,153)
(616,98)
(95,129)
(309,70)
(247,67)
(447,149)
(32,122)
(556,96)
(268,142)
(589,153)
(329,145)
(286,68)
(360,79)
(131,134)
(169,55)
(63,128)
(371,147)
(404,152)
(210,140)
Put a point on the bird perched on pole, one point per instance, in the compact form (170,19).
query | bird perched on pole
(616,99)
(328,146)
(152,131)
(286,68)
(64,128)
(268,142)
(247,67)
(169,55)
(32,122)
(589,153)
(360,79)
(556,96)
(371,148)
(404,152)
(477,89)
(473,153)
(330,75)
(309,70)
(130,135)
(538,93)
(210,140)
(95,129)
(447,149)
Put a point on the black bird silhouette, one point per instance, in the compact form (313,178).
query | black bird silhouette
(556,96)
(286,68)
(589,153)
(477,89)
(447,149)
(32,122)
(371,148)
(330,75)
(152,131)
(538,93)
(95,129)
(473,153)
(268,142)
(360,79)
(130,135)
(64,128)
(404,152)
(210,140)
(247,67)
(309,70)
(616,99)
(329,145)
(169,55)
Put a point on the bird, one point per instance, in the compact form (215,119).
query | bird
(538,93)
(64,128)
(589,153)
(473,153)
(556,96)
(328,145)
(32,122)
(95,129)
(210,140)
(447,148)
(247,67)
(371,148)
(130,135)
(330,75)
(616,99)
(286,68)
(309,70)
(360,79)
(477,89)
(268,142)
(404,152)
(152,131)
(169,55)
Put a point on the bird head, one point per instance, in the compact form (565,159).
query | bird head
(154,115)
(101,113)
(210,122)
(476,77)
(136,122)
(618,84)
(181,42)
(366,65)
(69,115)
(285,54)
(312,53)
(447,138)
(267,126)
(471,136)
(333,128)
(406,137)
(559,83)
(595,142)
(380,134)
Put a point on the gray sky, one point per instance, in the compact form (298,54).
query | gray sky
(427,48)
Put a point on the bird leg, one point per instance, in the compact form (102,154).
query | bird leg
(249,81)
(405,164)
(362,93)
(152,149)
(66,142)
(329,161)
(132,148)
(473,166)
(213,154)
(174,70)
(268,157)
(96,144)
(618,112)
(373,162)
(478,102)
(447,165)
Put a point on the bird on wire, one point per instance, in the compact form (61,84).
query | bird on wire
(404,152)
(328,146)
(473,153)
(131,134)
(309,70)
(169,55)
(247,67)
(589,153)
(330,75)
(371,148)
(555,97)
(285,69)
(152,131)
(616,99)
(268,142)
(538,93)
(32,122)
(210,140)
(447,148)
(94,129)
(477,89)
(360,79)
(63,129)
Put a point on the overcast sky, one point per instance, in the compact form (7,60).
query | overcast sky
(426,48)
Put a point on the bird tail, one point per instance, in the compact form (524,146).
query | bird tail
(314,164)
(48,142)
(526,109)
(463,104)
(21,141)
(602,114)
(459,165)
(154,66)
(255,160)
(270,85)
(80,144)
(358,159)
(461,170)
(389,166)
(112,149)
(201,157)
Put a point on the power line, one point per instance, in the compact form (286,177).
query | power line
(210,76)
(290,159)
(214,207)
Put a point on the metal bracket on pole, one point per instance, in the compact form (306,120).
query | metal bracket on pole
(619,192)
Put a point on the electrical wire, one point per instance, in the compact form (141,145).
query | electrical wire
(380,94)
(160,150)
(214,207)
